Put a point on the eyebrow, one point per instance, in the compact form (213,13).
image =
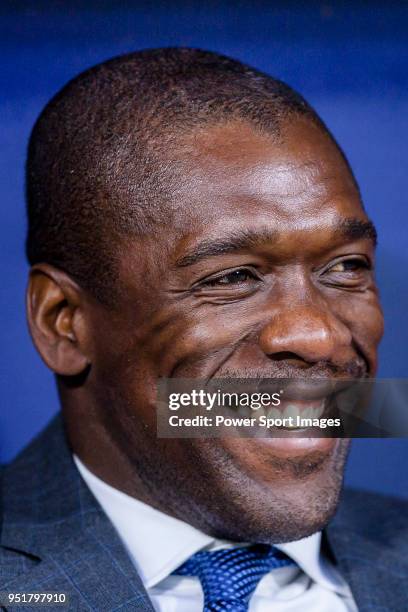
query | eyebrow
(350,229)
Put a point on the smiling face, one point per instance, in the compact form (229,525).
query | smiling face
(265,269)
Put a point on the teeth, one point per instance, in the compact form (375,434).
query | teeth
(291,411)
(261,412)
(318,411)
(295,411)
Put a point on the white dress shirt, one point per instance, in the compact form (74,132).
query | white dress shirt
(158,544)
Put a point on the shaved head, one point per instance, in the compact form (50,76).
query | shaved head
(109,151)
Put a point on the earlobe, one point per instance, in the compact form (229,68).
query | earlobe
(56,320)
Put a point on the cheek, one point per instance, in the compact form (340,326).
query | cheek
(195,340)
(363,315)
(170,340)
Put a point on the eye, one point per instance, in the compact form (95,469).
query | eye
(235,277)
(350,265)
(352,273)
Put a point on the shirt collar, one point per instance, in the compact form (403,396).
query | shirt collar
(158,543)
(308,556)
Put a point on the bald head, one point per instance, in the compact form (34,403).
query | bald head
(105,156)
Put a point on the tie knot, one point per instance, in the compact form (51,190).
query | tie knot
(229,576)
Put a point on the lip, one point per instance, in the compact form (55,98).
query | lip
(307,395)
(295,443)
(312,409)
(304,389)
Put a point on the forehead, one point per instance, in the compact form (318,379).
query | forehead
(236,172)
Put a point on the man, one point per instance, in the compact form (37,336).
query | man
(192,217)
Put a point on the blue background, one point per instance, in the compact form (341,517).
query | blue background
(349,60)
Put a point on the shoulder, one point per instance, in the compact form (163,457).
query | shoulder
(373,515)
(364,505)
(1,496)
(10,561)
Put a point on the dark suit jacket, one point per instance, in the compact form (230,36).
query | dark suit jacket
(55,537)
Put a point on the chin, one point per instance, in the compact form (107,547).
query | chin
(273,499)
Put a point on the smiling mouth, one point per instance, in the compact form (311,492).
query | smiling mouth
(306,409)
(304,399)
(299,416)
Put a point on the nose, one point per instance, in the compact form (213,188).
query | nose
(309,333)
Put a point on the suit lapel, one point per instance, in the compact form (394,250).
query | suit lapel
(65,541)
(373,564)
(94,576)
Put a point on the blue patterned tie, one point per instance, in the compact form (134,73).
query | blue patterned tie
(230,576)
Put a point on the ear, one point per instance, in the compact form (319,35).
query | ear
(55,313)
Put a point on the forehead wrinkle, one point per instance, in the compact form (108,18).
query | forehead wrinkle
(271,184)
